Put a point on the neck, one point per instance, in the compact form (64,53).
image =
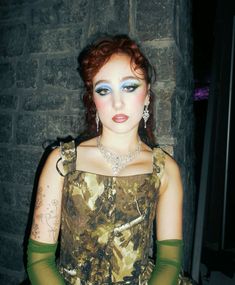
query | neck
(120,143)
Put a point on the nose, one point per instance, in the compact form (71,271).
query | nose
(118,101)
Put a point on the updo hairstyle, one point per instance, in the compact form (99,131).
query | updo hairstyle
(91,60)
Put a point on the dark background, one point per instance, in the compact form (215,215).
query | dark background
(203,23)
(212,61)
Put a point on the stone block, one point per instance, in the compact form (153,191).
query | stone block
(163,128)
(61,12)
(7,75)
(6,13)
(154,19)
(11,278)
(43,102)
(183,30)
(183,74)
(26,73)
(164,61)
(5,128)
(176,117)
(11,253)
(23,197)
(25,165)
(6,174)
(182,111)
(76,103)
(182,97)
(7,195)
(8,101)
(13,221)
(109,17)
(12,40)
(31,129)
(54,40)
(62,126)
(15,196)
(61,72)
(165,140)
(8,3)
(164,109)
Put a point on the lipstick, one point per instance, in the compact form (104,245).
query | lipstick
(120,118)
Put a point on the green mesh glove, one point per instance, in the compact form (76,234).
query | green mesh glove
(168,262)
(41,265)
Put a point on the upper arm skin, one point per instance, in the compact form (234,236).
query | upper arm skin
(170,203)
(47,211)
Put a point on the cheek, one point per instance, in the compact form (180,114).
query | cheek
(100,104)
(139,100)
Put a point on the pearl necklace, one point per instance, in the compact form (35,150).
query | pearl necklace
(118,162)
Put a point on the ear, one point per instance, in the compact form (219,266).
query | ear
(147,98)
(146,101)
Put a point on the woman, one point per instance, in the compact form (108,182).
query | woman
(105,192)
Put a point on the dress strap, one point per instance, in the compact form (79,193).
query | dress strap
(68,157)
(158,161)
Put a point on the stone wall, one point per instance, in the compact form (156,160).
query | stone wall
(40,95)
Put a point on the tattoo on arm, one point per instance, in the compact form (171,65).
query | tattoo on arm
(40,197)
(35,231)
(51,218)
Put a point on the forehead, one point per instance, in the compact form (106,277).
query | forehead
(118,66)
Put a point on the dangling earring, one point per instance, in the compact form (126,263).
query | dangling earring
(97,120)
(145,115)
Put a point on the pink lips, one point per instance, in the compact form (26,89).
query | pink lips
(120,118)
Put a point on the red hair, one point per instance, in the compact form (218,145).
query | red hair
(94,56)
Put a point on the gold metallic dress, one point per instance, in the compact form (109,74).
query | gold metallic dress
(107,223)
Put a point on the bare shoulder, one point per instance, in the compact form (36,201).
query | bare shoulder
(49,168)
(53,156)
(50,179)
(172,175)
(171,166)
(170,204)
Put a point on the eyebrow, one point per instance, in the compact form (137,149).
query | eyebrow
(123,79)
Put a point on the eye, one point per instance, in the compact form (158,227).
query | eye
(102,91)
(130,87)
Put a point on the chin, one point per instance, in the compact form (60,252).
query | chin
(122,129)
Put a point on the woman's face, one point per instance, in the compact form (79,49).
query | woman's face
(120,94)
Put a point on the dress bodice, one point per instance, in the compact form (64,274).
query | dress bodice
(106,222)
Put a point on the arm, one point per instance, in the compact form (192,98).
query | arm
(46,224)
(169,227)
